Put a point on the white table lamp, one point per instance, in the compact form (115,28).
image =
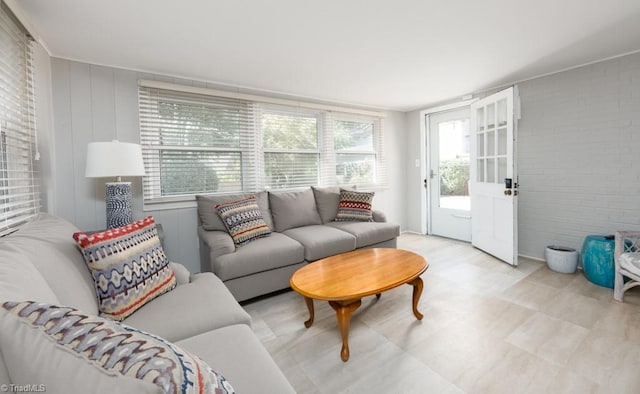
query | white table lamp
(114,160)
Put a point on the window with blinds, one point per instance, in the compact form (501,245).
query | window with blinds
(200,144)
(290,147)
(195,144)
(19,185)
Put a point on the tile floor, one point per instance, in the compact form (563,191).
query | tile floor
(487,328)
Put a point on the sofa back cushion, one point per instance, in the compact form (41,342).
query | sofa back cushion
(48,245)
(293,209)
(19,278)
(210,219)
(327,199)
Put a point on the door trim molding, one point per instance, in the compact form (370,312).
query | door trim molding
(425,199)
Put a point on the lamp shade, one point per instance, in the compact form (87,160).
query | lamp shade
(113,159)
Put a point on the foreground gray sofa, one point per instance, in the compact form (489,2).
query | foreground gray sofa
(303,231)
(41,262)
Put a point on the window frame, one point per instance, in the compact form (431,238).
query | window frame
(325,153)
(264,151)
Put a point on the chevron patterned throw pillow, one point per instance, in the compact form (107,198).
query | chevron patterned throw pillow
(128,266)
(243,220)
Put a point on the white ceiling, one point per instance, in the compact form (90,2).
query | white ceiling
(391,54)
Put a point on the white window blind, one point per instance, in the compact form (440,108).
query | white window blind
(19,180)
(194,144)
(197,143)
(290,146)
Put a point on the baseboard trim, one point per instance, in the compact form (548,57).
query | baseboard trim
(532,258)
(411,232)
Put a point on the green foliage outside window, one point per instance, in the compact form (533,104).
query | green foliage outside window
(454,177)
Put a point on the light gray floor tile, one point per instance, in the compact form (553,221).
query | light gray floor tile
(488,328)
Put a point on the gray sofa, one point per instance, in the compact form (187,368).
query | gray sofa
(41,262)
(303,228)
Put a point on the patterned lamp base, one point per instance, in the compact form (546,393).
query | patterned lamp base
(118,199)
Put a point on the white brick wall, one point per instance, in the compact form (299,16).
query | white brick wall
(579,155)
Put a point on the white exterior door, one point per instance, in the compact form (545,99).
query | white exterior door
(448,174)
(493,177)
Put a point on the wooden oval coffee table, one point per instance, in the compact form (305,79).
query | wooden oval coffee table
(345,278)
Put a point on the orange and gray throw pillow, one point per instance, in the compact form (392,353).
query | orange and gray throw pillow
(355,206)
(93,354)
(128,266)
(243,220)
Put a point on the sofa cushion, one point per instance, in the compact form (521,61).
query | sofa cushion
(293,209)
(263,254)
(181,272)
(243,220)
(128,266)
(210,218)
(236,353)
(321,241)
(19,279)
(4,372)
(327,199)
(368,233)
(95,355)
(355,206)
(46,242)
(204,304)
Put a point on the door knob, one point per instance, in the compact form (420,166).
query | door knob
(507,192)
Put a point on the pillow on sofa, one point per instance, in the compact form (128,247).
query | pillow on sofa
(208,214)
(293,209)
(355,206)
(91,354)
(327,200)
(243,220)
(128,266)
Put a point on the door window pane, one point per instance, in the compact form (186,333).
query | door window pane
(480,168)
(491,116)
(481,145)
(502,113)
(480,119)
(502,169)
(502,141)
(491,170)
(491,143)
(454,154)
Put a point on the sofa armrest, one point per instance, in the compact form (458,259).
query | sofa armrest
(379,216)
(213,243)
(183,276)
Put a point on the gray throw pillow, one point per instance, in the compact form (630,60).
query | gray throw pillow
(293,209)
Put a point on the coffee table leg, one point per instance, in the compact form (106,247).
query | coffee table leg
(417,291)
(309,302)
(344,309)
